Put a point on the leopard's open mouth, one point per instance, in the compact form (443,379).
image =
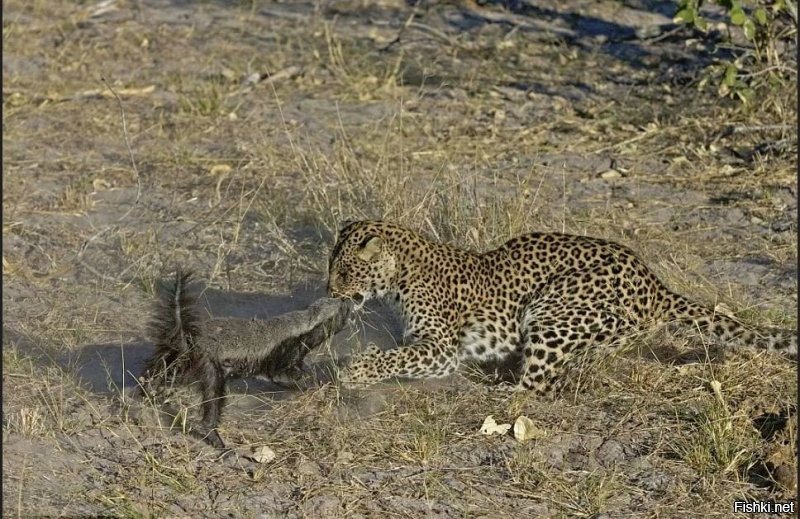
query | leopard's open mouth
(357,299)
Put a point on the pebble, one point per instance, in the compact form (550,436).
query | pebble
(655,481)
(785,477)
(263,454)
(610,452)
(611,173)
(309,468)
(781,226)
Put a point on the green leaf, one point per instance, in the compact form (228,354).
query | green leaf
(730,75)
(684,16)
(749,29)
(701,24)
(747,95)
(774,80)
(761,16)
(737,16)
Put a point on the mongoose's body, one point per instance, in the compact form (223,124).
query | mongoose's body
(208,351)
(269,348)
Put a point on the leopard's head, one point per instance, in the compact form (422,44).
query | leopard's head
(362,264)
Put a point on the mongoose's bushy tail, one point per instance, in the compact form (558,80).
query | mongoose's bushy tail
(173,327)
(729,329)
(174,330)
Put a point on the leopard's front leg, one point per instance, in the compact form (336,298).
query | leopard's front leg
(426,358)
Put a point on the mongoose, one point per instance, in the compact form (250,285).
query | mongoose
(208,351)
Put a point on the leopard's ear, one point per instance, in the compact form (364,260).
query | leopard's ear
(371,248)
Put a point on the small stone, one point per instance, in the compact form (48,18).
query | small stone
(654,481)
(610,174)
(262,454)
(323,506)
(785,477)
(252,79)
(781,226)
(309,468)
(640,463)
(229,74)
(525,429)
(219,170)
(610,452)
(490,427)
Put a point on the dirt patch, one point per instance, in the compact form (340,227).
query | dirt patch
(257,127)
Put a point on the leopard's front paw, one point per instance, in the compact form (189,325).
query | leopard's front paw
(363,369)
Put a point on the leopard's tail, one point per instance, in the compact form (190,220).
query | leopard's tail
(173,328)
(728,329)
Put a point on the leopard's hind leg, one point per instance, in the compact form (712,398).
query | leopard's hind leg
(557,338)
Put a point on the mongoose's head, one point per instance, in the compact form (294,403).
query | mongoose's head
(332,312)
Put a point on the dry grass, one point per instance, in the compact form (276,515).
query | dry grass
(470,138)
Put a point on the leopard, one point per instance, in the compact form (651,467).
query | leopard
(543,300)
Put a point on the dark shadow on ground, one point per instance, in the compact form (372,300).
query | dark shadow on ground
(107,368)
(623,41)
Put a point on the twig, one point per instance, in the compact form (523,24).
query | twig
(780,68)
(128,146)
(405,26)
(633,139)
(85,245)
(437,33)
(731,130)
(664,35)
(80,96)
(266,78)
